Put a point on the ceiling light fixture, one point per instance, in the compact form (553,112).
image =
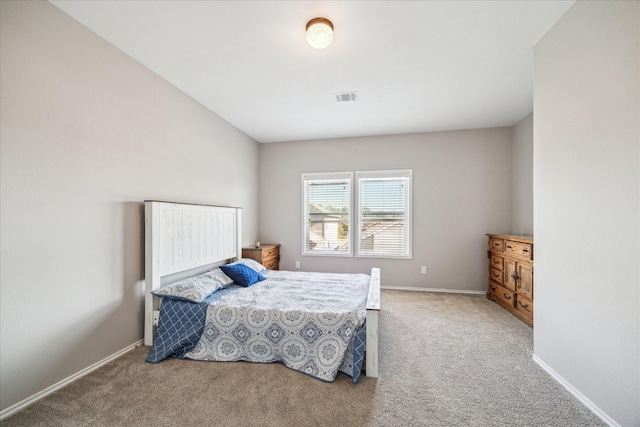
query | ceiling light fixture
(319,33)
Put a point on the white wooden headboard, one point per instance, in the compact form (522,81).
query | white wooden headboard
(182,240)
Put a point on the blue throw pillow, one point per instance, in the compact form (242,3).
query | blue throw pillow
(241,274)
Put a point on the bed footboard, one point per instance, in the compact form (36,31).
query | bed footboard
(373,307)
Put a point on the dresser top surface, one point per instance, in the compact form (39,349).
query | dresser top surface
(526,238)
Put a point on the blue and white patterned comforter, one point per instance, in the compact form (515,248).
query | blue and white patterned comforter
(311,322)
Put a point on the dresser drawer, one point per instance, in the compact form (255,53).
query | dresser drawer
(524,306)
(505,295)
(497,262)
(494,288)
(496,245)
(496,275)
(520,249)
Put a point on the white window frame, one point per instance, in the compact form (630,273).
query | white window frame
(360,176)
(321,176)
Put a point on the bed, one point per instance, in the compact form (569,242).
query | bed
(316,323)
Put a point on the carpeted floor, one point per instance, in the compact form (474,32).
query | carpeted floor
(445,360)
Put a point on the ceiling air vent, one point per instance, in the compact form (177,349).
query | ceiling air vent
(346,96)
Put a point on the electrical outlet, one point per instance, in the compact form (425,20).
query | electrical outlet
(423,269)
(297,264)
(156,317)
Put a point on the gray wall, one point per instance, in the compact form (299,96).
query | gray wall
(587,205)
(522,178)
(461,190)
(87,135)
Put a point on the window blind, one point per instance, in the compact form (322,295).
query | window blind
(327,214)
(384,214)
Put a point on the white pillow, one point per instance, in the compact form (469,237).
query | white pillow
(251,263)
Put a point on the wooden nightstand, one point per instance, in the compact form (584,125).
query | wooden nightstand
(267,254)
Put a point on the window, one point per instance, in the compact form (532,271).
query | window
(327,214)
(382,215)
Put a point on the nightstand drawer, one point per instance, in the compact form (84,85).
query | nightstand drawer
(271,252)
(271,263)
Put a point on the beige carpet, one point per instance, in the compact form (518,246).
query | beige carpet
(445,360)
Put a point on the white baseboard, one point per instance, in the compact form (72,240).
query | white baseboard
(32,399)
(448,291)
(581,397)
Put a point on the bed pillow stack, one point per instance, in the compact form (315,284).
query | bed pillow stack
(197,288)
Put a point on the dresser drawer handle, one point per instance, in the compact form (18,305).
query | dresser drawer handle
(496,275)
(525,250)
(507,296)
(493,288)
(509,247)
(523,305)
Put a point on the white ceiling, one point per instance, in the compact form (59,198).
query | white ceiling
(418,66)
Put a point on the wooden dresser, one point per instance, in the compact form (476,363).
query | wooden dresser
(267,254)
(511,273)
